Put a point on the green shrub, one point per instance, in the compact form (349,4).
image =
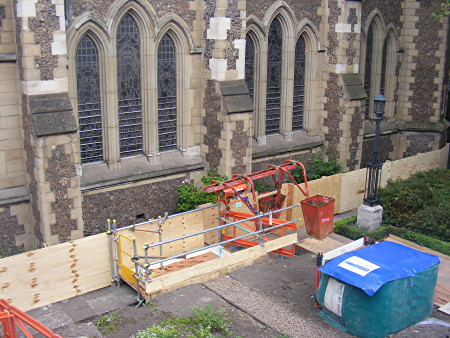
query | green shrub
(419,203)
(262,187)
(191,197)
(205,323)
(317,168)
(109,323)
(347,228)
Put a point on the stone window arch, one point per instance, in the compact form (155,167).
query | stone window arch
(167,94)
(89,100)
(298,104)
(388,80)
(254,72)
(274,77)
(250,64)
(293,59)
(129,93)
(129,73)
(373,62)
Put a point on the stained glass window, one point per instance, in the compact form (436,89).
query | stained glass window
(383,68)
(89,107)
(273,98)
(298,106)
(167,94)
(129,87)
(368,70)
(250,64)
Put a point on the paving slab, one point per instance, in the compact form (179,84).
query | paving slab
(79,330)
(104,303)
(80,314)
(127,298)
(72,304)
(97,293)
(55,319)
(44,310)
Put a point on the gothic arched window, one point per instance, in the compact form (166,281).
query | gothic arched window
(250,64)
(129,87)
(167,94)
(89,107)
(298,106)
(273,97)
(368,70)
(383,67)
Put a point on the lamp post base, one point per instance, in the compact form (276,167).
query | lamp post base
(369,217)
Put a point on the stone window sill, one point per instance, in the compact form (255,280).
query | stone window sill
(280,144)
(14,196)
(139,168)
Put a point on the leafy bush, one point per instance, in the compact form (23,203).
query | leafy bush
(347,228)
(419,203)
(318,168)
(190,196)
(204,324)
(262,187)
(109,323)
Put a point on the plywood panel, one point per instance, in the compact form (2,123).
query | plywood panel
(192,223)
(48,275)
(210,221)
(330,186)
(405,167)
(352,190)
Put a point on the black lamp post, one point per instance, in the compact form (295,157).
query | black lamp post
(373,175)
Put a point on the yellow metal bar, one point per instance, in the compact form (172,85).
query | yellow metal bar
(127,274)
(125,271)
(126,237)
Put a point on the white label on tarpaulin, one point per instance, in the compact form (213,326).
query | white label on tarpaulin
(358,265)
(334,295)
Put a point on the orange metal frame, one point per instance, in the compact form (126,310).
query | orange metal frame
(236,188)
(10,316)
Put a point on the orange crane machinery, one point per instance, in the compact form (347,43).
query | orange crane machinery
(267,206)
(10,316)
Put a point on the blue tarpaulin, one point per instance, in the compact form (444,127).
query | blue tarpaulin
(370,268)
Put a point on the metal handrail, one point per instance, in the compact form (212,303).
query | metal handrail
(146,247)
(225,242)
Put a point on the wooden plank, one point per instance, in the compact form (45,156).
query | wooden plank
(393,238)
(330,186)
(445,308)
(182,277)
(441,295)
(352,190)
(210,221)
(48,275)
(192,223)
(316,246)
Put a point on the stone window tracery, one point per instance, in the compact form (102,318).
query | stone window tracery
(274,64)
(89,105)
(129,87)
(167,94)
(368,71)
(298,106)
(250,65)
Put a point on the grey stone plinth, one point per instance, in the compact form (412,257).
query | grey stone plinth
(369,217)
